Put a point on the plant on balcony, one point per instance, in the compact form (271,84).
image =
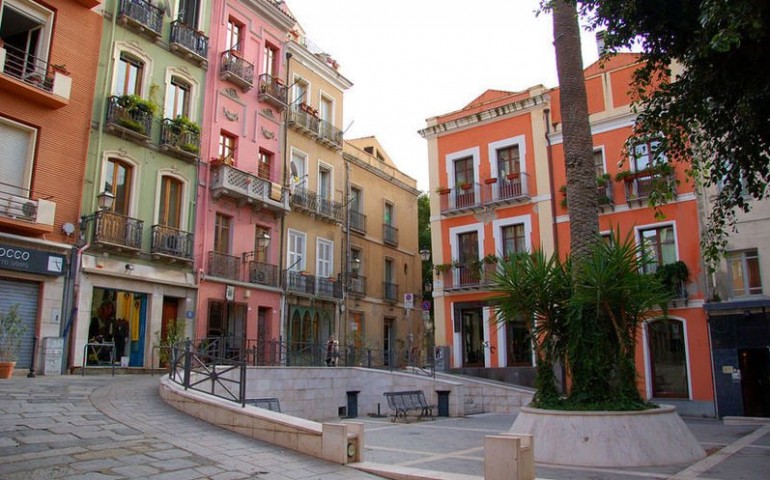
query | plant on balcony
(603,179)
(622,175)
(604,200)
(182,125)
(673,276)
(131,104)
(443,190)
(512,176)
(464,185)
(490,181)
(445,267)
(490,259)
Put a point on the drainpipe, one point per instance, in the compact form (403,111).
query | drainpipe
(286,168)
(555,230)
(68,353)
(346,318)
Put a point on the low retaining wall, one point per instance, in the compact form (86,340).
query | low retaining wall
(335,442)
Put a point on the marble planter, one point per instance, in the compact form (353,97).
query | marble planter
(653,437)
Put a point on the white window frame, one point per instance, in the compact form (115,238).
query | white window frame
(39,13)
(296,101)
(321,97)
(328,168)
(648,360)
(493,147)
(743,253)
(321,262)
(497,231)
(600,148)
(137,174)
(300,181)
(450,158)
(291,254)
(29,161)
(194,91)
(454,247)
(656,226)
(134,51)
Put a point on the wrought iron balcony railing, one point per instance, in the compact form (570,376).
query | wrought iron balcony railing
(304,199)
(390,291)
(329,135)
(357,221)
(116,230)
(27,68)
(242,186)
(132,121)
(357,285)
(328,209)
(306,284)
(303,122)
(328,287)
(469,276)
(179,141)
(389,234)
(172,242)
(472,196)
(189,43)
(223,265)
(236,70)
(145,18)
(263,274)
(273,91)
(640,185)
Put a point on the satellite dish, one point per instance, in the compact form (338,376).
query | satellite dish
(68,229)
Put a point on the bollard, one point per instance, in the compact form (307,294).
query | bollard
(509,457)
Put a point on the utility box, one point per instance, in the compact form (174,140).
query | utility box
(53,353)
(441,358)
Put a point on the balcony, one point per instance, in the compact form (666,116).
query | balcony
(189,43)
(178,140)
(390,292)
(33,78)
(127,120)
(605,197)
(320,207)
(474,276)
(114,231)
(639,186)
(357,285)
(389,234)
(509,190)
(304,122)
(329,135)
(273,91)
(302,283)
(20,213)
(235,69)
(246,188)
(171,244)
(357,222)
(263,274)
(226,266)
(142,17)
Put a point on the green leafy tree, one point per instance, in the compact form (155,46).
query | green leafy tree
(423,232)
(714,113)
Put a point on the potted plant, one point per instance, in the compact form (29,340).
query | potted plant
(603,179)
(512,176)
(443,190)
(133,111)
(175,333)
(622,175)
(490,181)
(12,330)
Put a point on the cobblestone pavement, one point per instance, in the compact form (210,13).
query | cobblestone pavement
(100,427)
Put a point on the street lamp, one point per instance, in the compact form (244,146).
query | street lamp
(355,266)
(424,254)
(263,241)
(105,200)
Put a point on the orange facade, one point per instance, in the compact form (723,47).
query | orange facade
(508,147)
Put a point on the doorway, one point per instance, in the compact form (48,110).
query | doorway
(754,364)
(472,334)
(118,317)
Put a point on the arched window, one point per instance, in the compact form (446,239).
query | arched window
(668,358)
(129,75)
(178,98)
(118,181)
(170,205)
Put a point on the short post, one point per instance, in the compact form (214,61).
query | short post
(509,457)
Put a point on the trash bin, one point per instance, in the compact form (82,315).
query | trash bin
(353,403)
(443,402)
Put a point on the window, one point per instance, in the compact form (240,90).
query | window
(296,251)
(170,202)
(18,149)
(227,146)
(744,273)
(234,32)
(129,75)
(188,12)
(514,239)
(668,358)
(507,161)
(324,258)
(117,180)
(464,171)
(260,253)
(25,28)
(270,60)
(643,152)
(355,199)
(301,92)
(389,214)
(222,229)
(324,182)
(599,162)
(298,162)
(264,164)
(326,109)
(178,98)
(658,246)
(389,287)
(518,344)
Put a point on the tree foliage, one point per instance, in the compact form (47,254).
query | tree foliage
(714,112)
(585,315)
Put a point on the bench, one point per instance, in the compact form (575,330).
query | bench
(412,400)
(271,404)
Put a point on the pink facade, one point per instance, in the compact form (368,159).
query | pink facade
(241,198)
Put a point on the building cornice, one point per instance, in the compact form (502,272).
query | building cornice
(490,114)
(272,13)
(319,67)
(601,125)
(376,171)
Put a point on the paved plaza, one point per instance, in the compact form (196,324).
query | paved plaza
(100,427)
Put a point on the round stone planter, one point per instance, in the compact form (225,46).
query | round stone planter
(644,438)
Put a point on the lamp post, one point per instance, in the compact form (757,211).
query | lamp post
(424,254)
(105,201)
(427,291)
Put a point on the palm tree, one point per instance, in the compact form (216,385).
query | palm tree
(578,146)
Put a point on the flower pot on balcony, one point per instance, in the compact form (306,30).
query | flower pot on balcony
(512,176)
(443,190)
(466,186)
(490,181)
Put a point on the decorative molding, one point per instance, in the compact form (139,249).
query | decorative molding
(232,116)
(267,112)
(231,93)
(267,133)
(137,45)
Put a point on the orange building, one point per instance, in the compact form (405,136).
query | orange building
(497,170)
(47,80)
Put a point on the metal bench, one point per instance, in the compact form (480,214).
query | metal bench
(271,404)
(401,403)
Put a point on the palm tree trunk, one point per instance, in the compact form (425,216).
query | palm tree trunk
(578,146)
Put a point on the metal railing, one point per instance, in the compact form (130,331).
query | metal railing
(641,185)
(304,283)
(357,221)
(28,68)
(142,13)
(189,38)
(263,274)
(17,203)
(328,208)
(509,189)
(389,234)
(390,291)
(473,275)
(171,135)
(237,69)
(119,230)
(134,119)
(357,285)
(223,265)
(204,371)
(172,242)
(329,134)
(303,121)
(272,90)
(304,198)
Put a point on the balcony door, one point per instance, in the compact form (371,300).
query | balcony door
(188,12)
(468,244)
(118,181)
(25,28)
(508,172)
(472,336)
(465,195)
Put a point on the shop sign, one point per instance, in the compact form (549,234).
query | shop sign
(23,259)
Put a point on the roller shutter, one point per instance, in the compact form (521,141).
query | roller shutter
(25,294)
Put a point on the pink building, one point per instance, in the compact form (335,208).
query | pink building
(241,198)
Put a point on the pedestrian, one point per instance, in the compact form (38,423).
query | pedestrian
(332,352)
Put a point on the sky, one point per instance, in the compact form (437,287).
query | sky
(410,60)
